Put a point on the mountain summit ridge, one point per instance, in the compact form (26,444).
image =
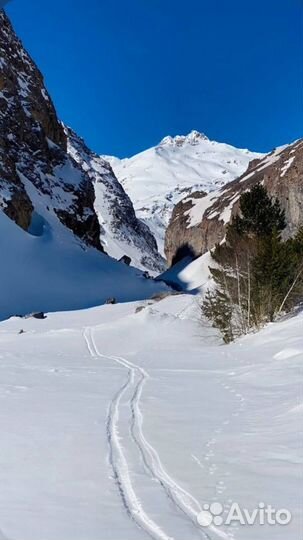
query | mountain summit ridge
(193,138)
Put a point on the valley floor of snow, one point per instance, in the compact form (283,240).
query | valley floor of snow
(120,422)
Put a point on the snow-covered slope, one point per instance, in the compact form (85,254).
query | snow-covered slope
(121,233)
(50,269)
(121,422)
(191,275)
(161,176)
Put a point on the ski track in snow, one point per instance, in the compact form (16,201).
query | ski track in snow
(183,501)
(116,454)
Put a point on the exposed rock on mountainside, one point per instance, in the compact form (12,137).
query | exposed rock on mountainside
(41,160)
(177,244)
(158,178)
(33,148)
(199,221)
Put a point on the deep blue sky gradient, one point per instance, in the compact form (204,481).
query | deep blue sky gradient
(125,73)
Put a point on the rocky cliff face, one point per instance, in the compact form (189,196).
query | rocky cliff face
(44,164)
(199,221)
(34,163)
(120,231)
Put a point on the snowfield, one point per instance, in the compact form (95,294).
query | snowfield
(121,422)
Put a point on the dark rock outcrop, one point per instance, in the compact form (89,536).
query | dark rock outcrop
(199,221)
(125,260)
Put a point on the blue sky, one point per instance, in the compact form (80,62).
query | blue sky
(124,74)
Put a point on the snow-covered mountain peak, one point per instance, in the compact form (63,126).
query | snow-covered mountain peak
(193,138)
(158,178)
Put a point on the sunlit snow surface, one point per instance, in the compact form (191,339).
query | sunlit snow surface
(119,423)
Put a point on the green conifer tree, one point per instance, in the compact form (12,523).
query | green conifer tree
(256,274)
